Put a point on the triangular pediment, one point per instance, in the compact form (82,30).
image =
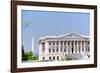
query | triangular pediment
(65,36)
(72,36)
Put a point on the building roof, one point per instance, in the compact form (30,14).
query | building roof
(64,36)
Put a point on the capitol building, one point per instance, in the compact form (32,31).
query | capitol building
(61,47)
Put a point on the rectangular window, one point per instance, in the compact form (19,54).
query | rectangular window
(61,49)
(65,50)
(49,50)
(53,50)
(49,43)
(57,49)
(43,47)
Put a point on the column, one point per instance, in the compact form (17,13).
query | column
(84,47)
(55,46)
(59,46)
(74,47)
(70,47)
(81,46)
(66,46)
(51,46)
(46,50)
(77,46)
(63,50)
(63,47)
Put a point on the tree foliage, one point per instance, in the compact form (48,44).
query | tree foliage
(28,56)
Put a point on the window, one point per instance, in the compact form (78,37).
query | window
(49,58)
(43,58)
(61,44)
(61,49)
(88,43)
(53,43)
(57,43)
(43,47)
(49,43)
(68,47)
(57,57)
(53,50)
(57,49)
(65,50)
(88,49)
(53,57)
(49,50)
(65,43)
(72,49)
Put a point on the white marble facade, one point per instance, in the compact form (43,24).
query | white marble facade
(57,48)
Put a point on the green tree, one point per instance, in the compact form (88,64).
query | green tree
(31,56)
(28,56)
(68,58)
(24,56)
(35,57)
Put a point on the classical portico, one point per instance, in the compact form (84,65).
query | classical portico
(58,47)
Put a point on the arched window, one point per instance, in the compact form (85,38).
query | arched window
(53,57)
(49,58)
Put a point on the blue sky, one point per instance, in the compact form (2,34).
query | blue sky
(43,23)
